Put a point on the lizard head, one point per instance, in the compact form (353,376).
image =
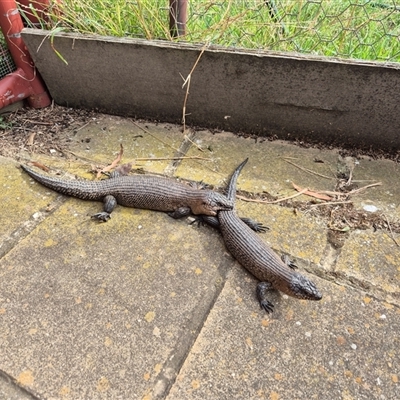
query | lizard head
(211,203)
(218,202)
(302,288)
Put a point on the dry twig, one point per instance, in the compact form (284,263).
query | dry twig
(186,82)
(193,143)
(391,232)
(270,202)
(153,136)
(331,203)
(308,170)
(355,191)
(173,158)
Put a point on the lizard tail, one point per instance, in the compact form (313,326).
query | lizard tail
(231,191)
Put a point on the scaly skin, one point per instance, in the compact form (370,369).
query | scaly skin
(139,191)
(259,259)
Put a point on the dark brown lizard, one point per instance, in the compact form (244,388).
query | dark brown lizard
(140,191)
(257,257)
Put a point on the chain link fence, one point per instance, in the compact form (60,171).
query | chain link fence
(6,62)
(359,29)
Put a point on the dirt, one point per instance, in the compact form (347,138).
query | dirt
(40,130)
(340,218)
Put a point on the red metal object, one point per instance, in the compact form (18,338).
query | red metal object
(177,17)
(25,82)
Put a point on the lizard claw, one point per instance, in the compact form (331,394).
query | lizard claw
(261,228)
(102,216)
(197,220)
(254,225)
(290,263)
(267,306)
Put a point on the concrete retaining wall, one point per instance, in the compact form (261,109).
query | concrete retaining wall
(265,93)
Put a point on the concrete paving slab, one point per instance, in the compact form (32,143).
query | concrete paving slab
(100,141)
(113,311)
(10,390)
(17,197)
(94,310)
(344,347)
(386,197)
(25,207)
(267,169)
(371,260)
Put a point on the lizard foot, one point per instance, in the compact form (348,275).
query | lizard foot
(267,306)
(102,216)
(180,212)
(290,263)
(262,290)
(254,225)
(202,220)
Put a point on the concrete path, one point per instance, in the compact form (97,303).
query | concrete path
(147,307)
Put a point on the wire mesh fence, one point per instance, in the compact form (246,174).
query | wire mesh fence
(361,29)
(6,61)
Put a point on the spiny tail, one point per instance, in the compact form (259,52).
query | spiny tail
(48,181)
(231,190)
(85,190)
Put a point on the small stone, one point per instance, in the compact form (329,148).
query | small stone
(370,208)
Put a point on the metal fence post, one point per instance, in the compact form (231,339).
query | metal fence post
(177,17)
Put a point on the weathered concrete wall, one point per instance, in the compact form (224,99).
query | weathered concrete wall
(265,93)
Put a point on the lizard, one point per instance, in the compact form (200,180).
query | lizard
(143,191)
(257,257)
(150,192)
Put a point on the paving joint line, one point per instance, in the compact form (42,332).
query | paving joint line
(184,147)
(14,383)
(178,355)
(29,225)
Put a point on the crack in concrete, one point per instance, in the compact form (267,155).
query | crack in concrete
(184,147)
(326,270)
(13,385)
(329,257)
(179,354)
(9,242)
(368,287)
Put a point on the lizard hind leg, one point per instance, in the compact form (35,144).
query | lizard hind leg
(254,225)
(110,202)
(180,212)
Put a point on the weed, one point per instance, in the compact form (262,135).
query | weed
(4,124)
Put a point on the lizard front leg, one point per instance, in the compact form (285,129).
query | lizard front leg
(262,289)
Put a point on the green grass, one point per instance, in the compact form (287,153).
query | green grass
(4,124)
(361,29)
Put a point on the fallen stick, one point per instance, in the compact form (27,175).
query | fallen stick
(270,202)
